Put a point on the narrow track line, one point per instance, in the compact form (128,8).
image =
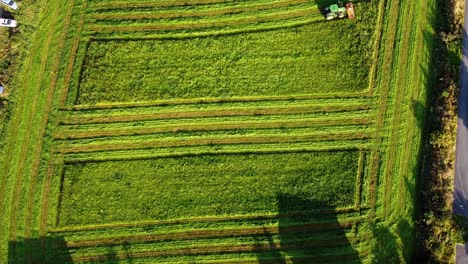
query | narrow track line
(220,233)
(387,65)
(45,199)
(208,24)
(114,5)
(71,64)
(164,143)
(221,249)
(191,13)
(408,148)
(76,134)
(45,117)
(351,145)
(117,105)
(400,91)
(25,147)
(83,119)
(209,219)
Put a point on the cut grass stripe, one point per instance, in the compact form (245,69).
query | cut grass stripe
(209,127)
(94,6)
(306,12)
(72,120)
(199,234)
(400,92)
(216,100)
(64,149)
(45,119)
(384,82)
(232,249)
(71,61)
(289,147)
(204,220)
(190,13)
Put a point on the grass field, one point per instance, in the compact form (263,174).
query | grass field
(216,131)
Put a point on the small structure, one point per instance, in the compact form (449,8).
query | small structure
(350,10)
(461,254)
(6,22)
(10,3)
(1,89)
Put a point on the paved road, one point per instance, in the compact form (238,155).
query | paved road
(460,203)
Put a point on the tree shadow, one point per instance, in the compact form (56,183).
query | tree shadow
(39,250)
(306,235)
(385,246)
(419,112)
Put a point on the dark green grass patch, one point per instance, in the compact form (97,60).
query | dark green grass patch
(96,193)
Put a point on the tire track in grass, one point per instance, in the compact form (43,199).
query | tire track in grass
(71,64)
(400,91)
(74,134)
(376,48)
(190,13)
(222,249)
(164,143)
(45,199)
(295,147)
(117,105)
(204,219)
(210,24)
(83,119)
(342,258)
(408,148)
(216,233)
(114,5)
(12,144)
(45,117)
(25,147)
(387,65)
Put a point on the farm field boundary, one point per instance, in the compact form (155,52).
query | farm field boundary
(79,138)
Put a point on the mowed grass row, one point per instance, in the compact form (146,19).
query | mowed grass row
(209,124)
(403,52)
(266,249)
(210,18)
(351,143)
(172,12)
(158,3)
(209,110)
(195,16)
(262,248)
(221,66)
(215,138)
(203,102)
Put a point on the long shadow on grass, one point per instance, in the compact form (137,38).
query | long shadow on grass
(39,250)
(306,237)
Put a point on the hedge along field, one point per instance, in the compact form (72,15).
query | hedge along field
(316,58)
(106,192)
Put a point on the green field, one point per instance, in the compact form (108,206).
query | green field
(206,185)
(215,131)
(284,63)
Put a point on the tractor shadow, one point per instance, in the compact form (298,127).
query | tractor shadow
(39,250)
(305,237)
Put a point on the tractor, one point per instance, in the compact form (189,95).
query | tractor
(339,11)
